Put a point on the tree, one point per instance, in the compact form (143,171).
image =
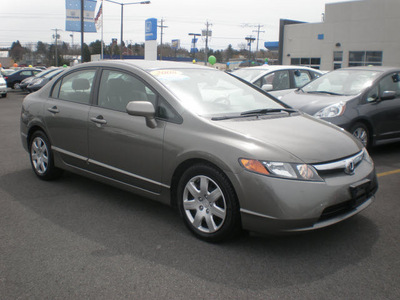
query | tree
(17,51)
(86,53)
(95,47)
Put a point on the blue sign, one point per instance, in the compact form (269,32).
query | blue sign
(151,29)
(321,36)
(73,15)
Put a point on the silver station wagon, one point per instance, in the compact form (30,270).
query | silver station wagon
(223,152)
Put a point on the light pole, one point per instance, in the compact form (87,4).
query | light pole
(122,19)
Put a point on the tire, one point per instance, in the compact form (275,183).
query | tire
(361,132)
(4,95)
(41,157)
(16,85)
(208,203)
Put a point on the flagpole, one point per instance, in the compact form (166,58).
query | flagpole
(102,28)
(82,28)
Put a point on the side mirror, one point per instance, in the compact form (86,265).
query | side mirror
(388,95)
(143,109)
(267,87)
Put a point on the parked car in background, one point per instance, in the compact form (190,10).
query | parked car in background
(363,100)
(13,80)
(6,72)
(195,138)
(278,80)
(39,82)
(24,83)
(3,87)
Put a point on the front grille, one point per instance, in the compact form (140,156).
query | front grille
(346,165)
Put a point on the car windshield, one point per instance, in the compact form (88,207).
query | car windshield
(342,82)
(44,73)
(212,92)
(249,74)
(53,73)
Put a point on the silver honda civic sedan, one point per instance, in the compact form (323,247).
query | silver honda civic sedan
(223,152)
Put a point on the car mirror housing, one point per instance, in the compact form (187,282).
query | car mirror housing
(267,87)
(388,95)
(143,109)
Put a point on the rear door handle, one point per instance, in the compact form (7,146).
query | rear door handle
(98,120)
(53,110)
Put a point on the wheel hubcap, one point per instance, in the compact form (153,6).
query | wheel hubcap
(39,155)
(204,204)
(362,135)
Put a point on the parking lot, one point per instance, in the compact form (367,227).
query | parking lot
(75,238)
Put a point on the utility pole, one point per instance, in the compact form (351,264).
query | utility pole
(206,33)
(56,35)
(162,32)
(258,33)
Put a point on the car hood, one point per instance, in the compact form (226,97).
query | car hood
(304,137)
(312,103)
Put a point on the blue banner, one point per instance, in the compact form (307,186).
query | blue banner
(73,15)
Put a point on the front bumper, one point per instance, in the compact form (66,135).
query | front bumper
(270,205)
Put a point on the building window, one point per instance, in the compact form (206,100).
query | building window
(365,58)
(313,62)
(337,59)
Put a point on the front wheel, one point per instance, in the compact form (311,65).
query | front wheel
(15,85)
(361,132)
(42,158)
(208,203)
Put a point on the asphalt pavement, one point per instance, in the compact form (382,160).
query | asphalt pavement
(75,238)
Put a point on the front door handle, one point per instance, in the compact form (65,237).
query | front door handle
(98,120)
(53,110)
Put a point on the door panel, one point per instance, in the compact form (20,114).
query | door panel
(121,146)
(124,148)
(66,115)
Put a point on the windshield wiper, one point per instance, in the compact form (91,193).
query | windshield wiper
(324,92)
(256,112)
(265,111)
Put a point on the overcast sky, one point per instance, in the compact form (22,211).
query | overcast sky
(231,22)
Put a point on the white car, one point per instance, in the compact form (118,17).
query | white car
(278,80)
(3,87)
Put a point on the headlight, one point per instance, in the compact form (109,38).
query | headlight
(331,111)
(37,82)
(281,169)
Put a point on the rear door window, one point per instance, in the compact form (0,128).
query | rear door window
(75,87)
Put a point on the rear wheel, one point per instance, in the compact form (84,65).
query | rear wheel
(208,203)
(361,132)
(42,158)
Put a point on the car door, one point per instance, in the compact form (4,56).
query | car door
(385,114)
(66,114)
(122,147)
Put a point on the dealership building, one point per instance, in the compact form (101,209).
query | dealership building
(354,33)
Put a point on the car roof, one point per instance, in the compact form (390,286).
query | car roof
(279,67)
(373,68)
(146,65)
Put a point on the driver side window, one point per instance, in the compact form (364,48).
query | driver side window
(117,89)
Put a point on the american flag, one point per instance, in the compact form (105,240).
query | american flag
(97,19)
